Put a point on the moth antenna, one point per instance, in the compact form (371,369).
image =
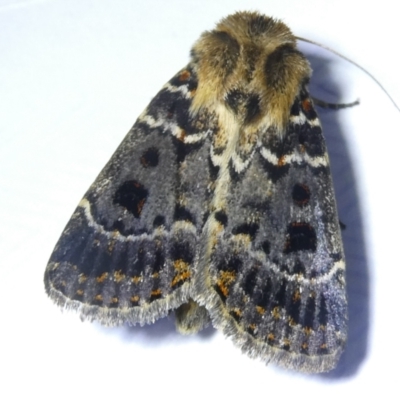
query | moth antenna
(356,65)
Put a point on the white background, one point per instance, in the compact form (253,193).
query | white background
(74,76)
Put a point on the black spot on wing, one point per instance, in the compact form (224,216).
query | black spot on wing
(246,229)
(159,259)
(301,194)
(323,311)
(250,281)
(150,157)
(279,299)
(233,265)
(262,296)
(221,217)
(183,214)
(120,227)
(300,236)
(309,314)
(159,220)
(295,110)
(182,251)
(266,247)
(131,195)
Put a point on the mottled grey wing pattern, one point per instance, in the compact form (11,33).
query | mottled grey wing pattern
(128,251)
(218,203)
(274,276)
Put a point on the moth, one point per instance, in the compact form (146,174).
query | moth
(218,205)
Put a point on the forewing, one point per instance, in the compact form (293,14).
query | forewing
(274,278)
(127,253)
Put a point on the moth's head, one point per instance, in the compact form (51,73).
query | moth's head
(249,63)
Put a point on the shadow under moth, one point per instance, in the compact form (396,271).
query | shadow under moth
(218,204)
